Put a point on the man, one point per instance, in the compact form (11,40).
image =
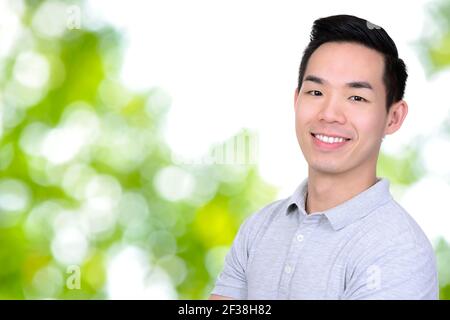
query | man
(340,235)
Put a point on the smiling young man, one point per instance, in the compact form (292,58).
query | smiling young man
(340,235)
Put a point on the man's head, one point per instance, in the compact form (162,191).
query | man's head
(351,85)
(346,28)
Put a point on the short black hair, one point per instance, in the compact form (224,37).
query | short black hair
(347,28)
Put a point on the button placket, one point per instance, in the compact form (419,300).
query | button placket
(303,231)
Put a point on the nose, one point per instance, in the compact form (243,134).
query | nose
(332,110)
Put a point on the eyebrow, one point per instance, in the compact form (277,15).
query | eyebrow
(353,84)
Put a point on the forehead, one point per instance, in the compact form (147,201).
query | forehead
(340,63)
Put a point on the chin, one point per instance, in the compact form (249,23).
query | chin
(327,168)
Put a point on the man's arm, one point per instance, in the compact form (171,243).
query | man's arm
(232,281)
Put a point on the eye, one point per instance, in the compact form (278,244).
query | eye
(358,98)
(314,93)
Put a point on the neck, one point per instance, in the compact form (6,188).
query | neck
(326,191)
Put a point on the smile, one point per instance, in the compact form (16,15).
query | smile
(324,142)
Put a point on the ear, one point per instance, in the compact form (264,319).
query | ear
(396,116)
(295,99)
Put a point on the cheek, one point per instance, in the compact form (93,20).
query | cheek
(303,115)
(369,127)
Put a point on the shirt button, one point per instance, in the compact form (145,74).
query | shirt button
(288,269)
(300,237)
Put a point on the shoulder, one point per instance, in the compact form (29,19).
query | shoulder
(390,228)
(395,225)
(388,243)
(261,219)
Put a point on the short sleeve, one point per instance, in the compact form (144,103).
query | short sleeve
(394,272)
(232,282)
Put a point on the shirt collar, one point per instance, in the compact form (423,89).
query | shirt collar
(349,211)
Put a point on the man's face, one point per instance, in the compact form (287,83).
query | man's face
(342,96)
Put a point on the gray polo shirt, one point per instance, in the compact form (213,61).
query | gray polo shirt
(368,247)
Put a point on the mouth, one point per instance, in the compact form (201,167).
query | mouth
(323,142)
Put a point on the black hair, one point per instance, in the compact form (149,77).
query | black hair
(347,28)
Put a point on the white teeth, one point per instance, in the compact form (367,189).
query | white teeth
(327,139)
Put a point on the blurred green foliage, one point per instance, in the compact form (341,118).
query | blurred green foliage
(434,49)
(85,174)
(81,166)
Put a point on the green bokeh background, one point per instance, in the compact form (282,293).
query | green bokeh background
(120,157)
